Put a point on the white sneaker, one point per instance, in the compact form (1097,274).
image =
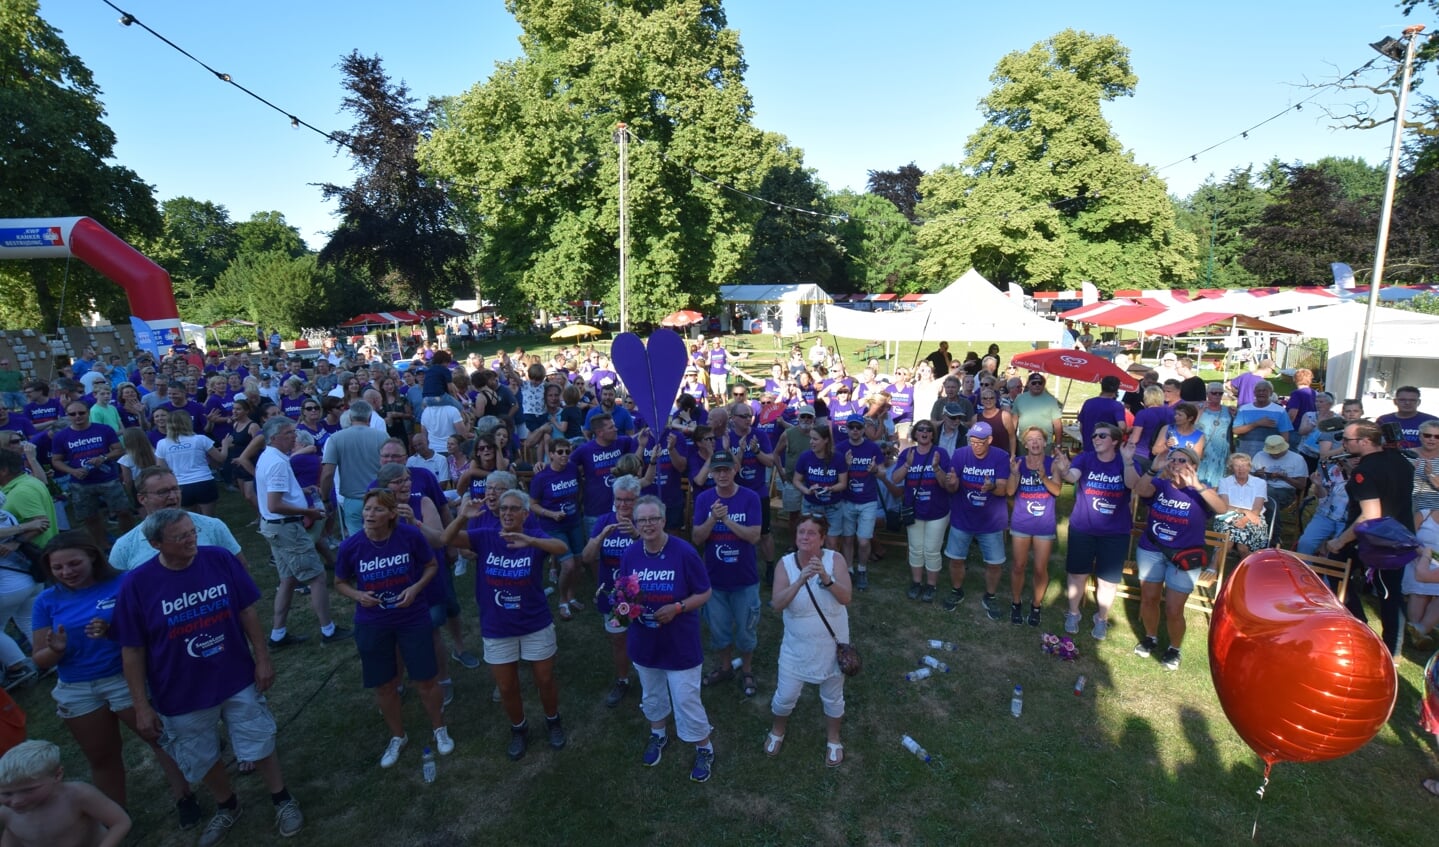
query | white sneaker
(392,752)
(443,743)
(461,565)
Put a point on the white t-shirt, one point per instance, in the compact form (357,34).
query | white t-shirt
(1243,496)
(186,458)
(437,464)
(273,473)
(439,421)
(1290,464)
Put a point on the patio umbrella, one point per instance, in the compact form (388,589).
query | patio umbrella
(575,331)
(1073,364)
(682,318)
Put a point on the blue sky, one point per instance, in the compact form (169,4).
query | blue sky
(856,85)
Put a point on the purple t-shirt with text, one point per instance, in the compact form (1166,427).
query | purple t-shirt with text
(385,570)
(972,509)
(1033,504)
(729,560)
(922,488)
(1101,499)
(557,491)
(819,472)
(74,446)
(612,551)
(509,586)
(1176,517)
(671,575)
(865,460)
(595,463)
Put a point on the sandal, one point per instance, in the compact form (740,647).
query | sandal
(1432,786)
(750,689)
(245,767)
(772,743)
(716,676)
(834,754)
(576,605)
(565,613)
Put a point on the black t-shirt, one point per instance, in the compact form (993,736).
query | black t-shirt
(1388,477)
(1193,390)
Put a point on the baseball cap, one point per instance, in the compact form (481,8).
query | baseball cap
(805,409)
(721,459)
(856,419)
(981,430)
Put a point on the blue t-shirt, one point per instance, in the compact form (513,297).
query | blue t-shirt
(729,560)
(671,575)
(85,658)
(188,623)
(386,569)
(509,586)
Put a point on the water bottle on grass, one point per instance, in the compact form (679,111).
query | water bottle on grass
(913,746)
(427,765)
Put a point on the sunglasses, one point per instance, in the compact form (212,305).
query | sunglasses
(1429,435)
(1099,435)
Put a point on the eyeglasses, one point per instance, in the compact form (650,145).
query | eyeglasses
(182,538)
(485,448)
(923,431)
(311,408)
(1183,460)
(648,521)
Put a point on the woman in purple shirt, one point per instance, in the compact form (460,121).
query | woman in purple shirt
(555,500)
(1099,524)
(921,467)
(1034,484)
(1179,509)
(822,478)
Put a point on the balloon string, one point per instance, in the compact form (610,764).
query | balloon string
(1254,831)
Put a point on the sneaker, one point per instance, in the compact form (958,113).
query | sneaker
(288,818)
(19,676)
(495,695)
(443,743)
(392,752)
(1144,648)
(1033,619)
(1101,628)
(926,594)
(188,807)
(556,732)
(466,658)
(914,589)
(449,691)
(519,741)
(1071,622)
(290,640)
(654,749)
(991,606)
(704,764)
(956,596)
(619,691)
(218,827)
(340,634)
(1170,659)
(1016,614)
(861,580)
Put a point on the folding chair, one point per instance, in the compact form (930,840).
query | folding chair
(1333,570)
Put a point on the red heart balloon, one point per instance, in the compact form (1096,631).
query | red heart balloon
(1300,678)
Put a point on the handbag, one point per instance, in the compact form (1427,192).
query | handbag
(845,654)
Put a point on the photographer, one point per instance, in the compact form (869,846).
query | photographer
(1382,485)
(1332,512)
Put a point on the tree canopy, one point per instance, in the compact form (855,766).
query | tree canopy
(1310,224)
(1046,196)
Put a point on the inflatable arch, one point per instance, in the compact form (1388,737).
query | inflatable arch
(146,284)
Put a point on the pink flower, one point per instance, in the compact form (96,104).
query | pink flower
(622,609)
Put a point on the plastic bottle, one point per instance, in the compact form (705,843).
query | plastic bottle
(549,589)
(936,644)
(1016,703)
(917,675)
(427,765)
(913,746)
(736,663)
(932,662)
(1079,685)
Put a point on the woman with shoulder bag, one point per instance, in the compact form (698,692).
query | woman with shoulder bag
(811,589)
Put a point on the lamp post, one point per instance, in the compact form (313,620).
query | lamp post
(622,138)
(1388,47)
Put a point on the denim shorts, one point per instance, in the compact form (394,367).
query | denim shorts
(1154,566)
(574,537)
(733,618)
(991,545)
(857,519)
(833,514)
(73,699)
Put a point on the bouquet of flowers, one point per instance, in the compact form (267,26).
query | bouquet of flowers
(625,605)
(1061,648)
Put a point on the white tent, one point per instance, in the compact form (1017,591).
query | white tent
(1401,347)
(781,306)
(969,309)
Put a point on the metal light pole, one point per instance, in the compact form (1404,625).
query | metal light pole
(1357,375)
(622,138)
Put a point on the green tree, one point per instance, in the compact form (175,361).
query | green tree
(1358,180)
(791,245)
(1218,214)
(1309,225)
(54,161)
(276,289)
(396,222)
(196,245)
(1414,236)
(1046,195)
(1426,303)
(532,151)
(267,232)
(879,244)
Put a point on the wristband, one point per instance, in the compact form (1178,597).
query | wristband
(681,604)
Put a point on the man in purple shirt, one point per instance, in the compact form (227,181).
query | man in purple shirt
(978,512)
(595,459)
(179,400)
(1407,417)
(864,459)
(726,527)
(86,452)
(1105,408)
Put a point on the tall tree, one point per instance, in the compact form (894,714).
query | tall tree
(197,244)
(1414,238)
(54,161)
(397,223)
(267,232)
(795,241)
(533,152)
(1046,195)
(1308,226)
(1219,214)
(274,289)
(900,187)
(879,244)
(1358,180)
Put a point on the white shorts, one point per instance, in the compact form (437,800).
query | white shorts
(531,647)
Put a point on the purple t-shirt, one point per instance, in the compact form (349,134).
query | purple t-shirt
(612,551)
(74,446)
(666,484)
(1244,387)
(719,362)
(385,570)
(1151,419)
(749,472)
(44,413)
(21,424)
(819,472)
(923,491)
(557,491)
(1033,504)
(1101,500)
(291,407)
(595,463)
(509,586)
(729,560)
(1408,427)
(1176,517)
(865,460)
(1095,411)
(901,401)
(671,575)
(188,624)
(194,410)
(971,509)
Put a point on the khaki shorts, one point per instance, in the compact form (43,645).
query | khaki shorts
(533,647)
(294,550)
(99,497)
(193,739)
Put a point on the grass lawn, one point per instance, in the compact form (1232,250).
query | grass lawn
(1143,756)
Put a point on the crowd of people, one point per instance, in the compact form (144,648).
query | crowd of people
(535,471)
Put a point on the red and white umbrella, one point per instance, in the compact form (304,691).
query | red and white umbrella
(1073,364)
(682,318)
